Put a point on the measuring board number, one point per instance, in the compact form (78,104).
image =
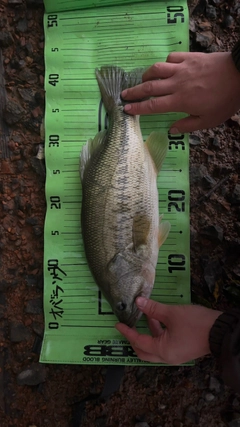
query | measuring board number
(55,202)
(176,262)
(53,140)
(175,14)
(176,200)
(175,141)
(53,79)
(52,21)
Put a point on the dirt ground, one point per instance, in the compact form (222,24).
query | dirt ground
(34,395)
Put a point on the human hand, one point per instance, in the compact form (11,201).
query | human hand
(184,338)
(206,86)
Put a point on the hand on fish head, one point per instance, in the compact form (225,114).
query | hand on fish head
(130,277)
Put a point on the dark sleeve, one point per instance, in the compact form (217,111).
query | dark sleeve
(224,340)
(236,55)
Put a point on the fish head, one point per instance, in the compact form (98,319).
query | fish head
(132,282)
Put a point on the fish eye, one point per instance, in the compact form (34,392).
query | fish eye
(121,306)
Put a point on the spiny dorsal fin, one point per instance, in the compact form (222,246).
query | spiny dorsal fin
(88,149)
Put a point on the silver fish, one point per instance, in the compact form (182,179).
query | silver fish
(121,228)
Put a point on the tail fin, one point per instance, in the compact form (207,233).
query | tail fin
(113,80)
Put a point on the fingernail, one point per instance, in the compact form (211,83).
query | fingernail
(127,107)
(141,302)
(124,93)
(174,131)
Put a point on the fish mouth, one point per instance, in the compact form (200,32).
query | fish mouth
(133,318)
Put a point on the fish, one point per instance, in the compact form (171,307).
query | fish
(121,228)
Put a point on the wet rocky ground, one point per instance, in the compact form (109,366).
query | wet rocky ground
(35,395)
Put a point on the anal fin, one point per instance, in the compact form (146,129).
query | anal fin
(163,231)
(157,145)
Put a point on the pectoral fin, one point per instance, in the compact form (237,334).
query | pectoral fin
(163,231)
(87,151)
(140,232)
(157,145)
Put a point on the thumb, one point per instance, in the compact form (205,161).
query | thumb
(153,309)
(188,124)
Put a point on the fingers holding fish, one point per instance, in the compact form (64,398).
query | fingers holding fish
(153,309)
(159,105)
(159,70)
(147,89)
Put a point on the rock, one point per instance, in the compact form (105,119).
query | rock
(38,231)
(194,140)
(22,25)
(205,39)
(200,404)
(38,329)
(6,39)
(205,25)
(20,165)
(19,332)
(13,112)
(37,345)
(31,280)
(215,142)
(27,76)
(208,181)
(3,22)
(236,402)
(27,94)
(235,199)
(32,221)
(235,421)
(197,172)
(213,232)
(200,7)
(142,424)
(192,26)
(215,385)
(101,421)
(228,21)
(208,397)
(34,375)
(191,416)
(193,234)
(39,167)
(236,271)
(34,306)
(4,285)
(211,12)
(2,299)
(14,2)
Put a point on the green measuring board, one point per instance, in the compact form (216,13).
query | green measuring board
(79,324)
